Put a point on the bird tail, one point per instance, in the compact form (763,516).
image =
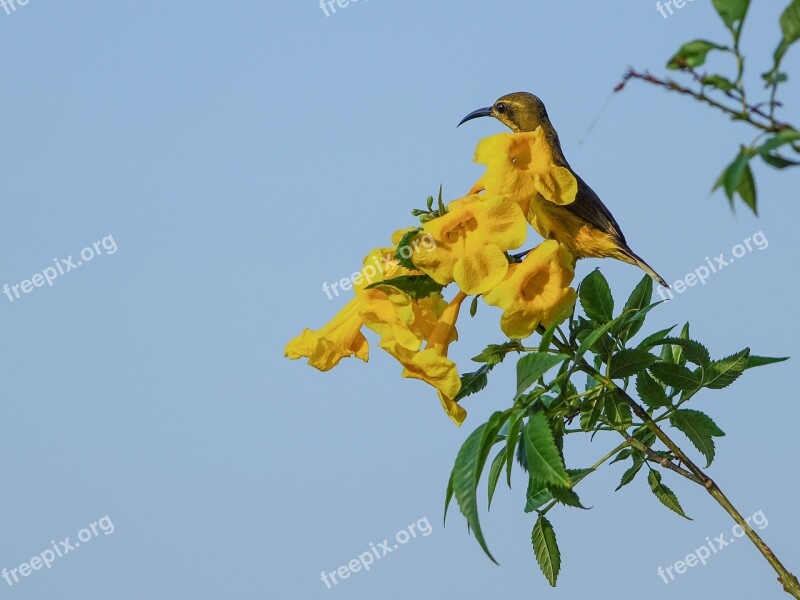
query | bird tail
(639,262)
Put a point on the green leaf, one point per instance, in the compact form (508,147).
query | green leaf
(760,361)
(747,189)
(592,339)
(578,475)
(544,461)
(591,409)
(617,412)
(640,298)
(692,54)
(631,473)
(512,439)
(494,354)
(737,178)
(790,25)
(405,243)
(783,137)
(537,496)
(472,383)
(567,497)
(719,82)
(467,471)
(596,298)
(650,340)
(732,12)
(448,496)
(665,495)
(495,470)
(623,455)
(546,549)
(533,366)
(646,436)
(700,430)
(778,161)
(547,336)
(724,372)
(690,350)
(629,362)
(650,391)
(416,286)
(676,376)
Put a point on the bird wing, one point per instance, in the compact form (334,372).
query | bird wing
(590,208)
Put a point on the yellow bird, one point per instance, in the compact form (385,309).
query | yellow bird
(585,226)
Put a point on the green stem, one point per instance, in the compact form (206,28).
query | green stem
(790,583)
(600,462)
(786,578)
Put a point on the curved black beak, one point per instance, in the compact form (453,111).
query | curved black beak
(481,112)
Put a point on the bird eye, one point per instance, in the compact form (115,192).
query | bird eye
(501,107)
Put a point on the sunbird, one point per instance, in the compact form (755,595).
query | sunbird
(586,227)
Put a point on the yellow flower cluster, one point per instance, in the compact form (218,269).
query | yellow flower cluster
(472,241)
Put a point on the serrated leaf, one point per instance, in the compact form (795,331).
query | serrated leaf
(532,366)
(537,495)
(512,439)
(467,471)
(650,391)
(675,376)
(448,496)
(544,460)
(630,361)
(592,338)
(623,455)
(650,340)
(591,409)
(633,319)
(494,354)
(494,472)
(699,428)
(596,299)
(646,437)
(630,474)
(690,350)
(472,383)
(665,495)
(724,372)
(567,497)
(546,550)
(617,412)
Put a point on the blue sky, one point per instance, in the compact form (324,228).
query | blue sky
(241,154)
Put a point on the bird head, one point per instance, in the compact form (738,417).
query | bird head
(519,111)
